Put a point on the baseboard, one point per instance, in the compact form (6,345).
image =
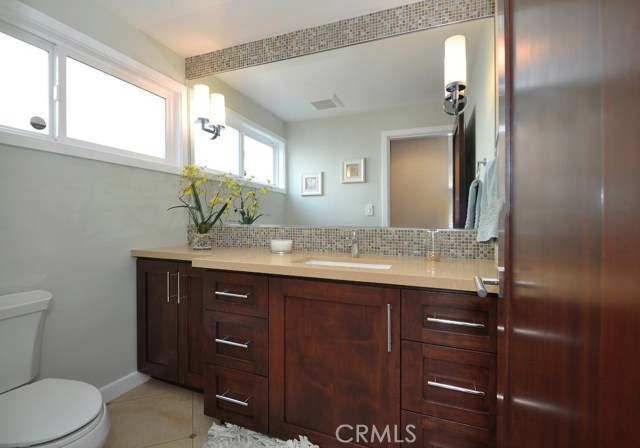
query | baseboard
(122,385)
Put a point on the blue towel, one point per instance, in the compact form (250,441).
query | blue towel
(473,206)
(490,205)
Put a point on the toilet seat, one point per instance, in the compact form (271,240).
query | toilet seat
(46,410)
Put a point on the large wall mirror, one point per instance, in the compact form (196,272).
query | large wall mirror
(343,105)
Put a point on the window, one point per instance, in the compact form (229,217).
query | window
(24,82)
(66,93)
(133,118)
(244,149)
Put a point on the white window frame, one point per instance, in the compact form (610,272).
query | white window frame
(68,42)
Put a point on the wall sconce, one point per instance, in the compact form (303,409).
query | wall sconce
(455,74)
(209,109)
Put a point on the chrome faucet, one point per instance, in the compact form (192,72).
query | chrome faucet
(353,242)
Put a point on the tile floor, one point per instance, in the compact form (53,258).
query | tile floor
(157,414)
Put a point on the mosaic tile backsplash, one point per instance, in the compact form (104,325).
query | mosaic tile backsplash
(390,22)
(454,243)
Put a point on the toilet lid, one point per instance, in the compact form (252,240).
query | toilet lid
(46,410)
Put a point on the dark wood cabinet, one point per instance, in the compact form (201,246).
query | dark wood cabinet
(428,432)
(169,318)
(345,364)
(448,369)
(236,346)
(334,361)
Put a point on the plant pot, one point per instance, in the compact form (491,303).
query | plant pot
(201,241)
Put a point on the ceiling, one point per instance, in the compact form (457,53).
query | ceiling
(192,27)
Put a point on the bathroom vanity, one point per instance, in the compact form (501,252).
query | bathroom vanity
(346,355)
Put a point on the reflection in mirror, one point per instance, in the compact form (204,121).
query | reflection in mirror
(337,105)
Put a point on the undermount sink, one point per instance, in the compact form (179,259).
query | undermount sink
(348,264)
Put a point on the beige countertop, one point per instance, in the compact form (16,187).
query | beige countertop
(454,274)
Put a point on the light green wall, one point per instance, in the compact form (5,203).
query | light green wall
(322,145)
(67,225)
(94,21)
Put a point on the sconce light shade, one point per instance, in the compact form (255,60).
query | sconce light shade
(208,110)
(201,107)
(218,112)
(455,74)
(455,60)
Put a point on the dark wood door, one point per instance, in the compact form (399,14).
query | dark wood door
(330,365)
(573,315)
(157,318)
(190,326)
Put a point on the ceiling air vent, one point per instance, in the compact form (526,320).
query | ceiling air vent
(331,103)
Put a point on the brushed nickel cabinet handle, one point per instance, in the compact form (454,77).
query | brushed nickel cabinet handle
(230,294)
(226,341)
(388,327)
(178,275)
(168,277)
(456,388)
(223,397)
(454,322)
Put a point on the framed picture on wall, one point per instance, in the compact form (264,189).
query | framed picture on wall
(352,171)
(312,184)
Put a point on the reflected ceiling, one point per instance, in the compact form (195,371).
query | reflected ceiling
(394,72)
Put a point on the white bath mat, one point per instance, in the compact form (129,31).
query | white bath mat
(232,436)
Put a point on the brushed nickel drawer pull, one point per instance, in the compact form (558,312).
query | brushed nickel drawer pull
(454,322)
(224,397)
(456,388)
(231,294)
(226,341)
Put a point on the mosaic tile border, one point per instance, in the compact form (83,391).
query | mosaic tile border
(399,20)
(454,243)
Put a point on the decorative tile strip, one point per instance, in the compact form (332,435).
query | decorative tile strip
(454,243)
(390,22)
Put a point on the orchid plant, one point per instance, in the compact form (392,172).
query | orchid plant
(245,200)
(205,199)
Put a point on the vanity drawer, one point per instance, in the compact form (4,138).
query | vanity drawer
(450,319)
(449,383)
(421,431)
(237,341)
(237,397)
(237,293)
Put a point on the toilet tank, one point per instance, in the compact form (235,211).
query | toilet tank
(21,324)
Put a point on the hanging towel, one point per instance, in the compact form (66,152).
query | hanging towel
(490,205)
(473,206)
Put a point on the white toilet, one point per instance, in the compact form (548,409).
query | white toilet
(49,413)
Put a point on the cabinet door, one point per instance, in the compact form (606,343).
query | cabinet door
(189,286)
(334,362)
(421,431)
(237,293)
(237,397)
(452,319)
(449,383)
(157,318)
(236,341)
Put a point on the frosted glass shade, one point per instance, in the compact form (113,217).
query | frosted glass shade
(218,112)
(201,107)
(455,60)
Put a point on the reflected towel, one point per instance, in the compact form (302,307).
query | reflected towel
(473,206)
(490,205)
